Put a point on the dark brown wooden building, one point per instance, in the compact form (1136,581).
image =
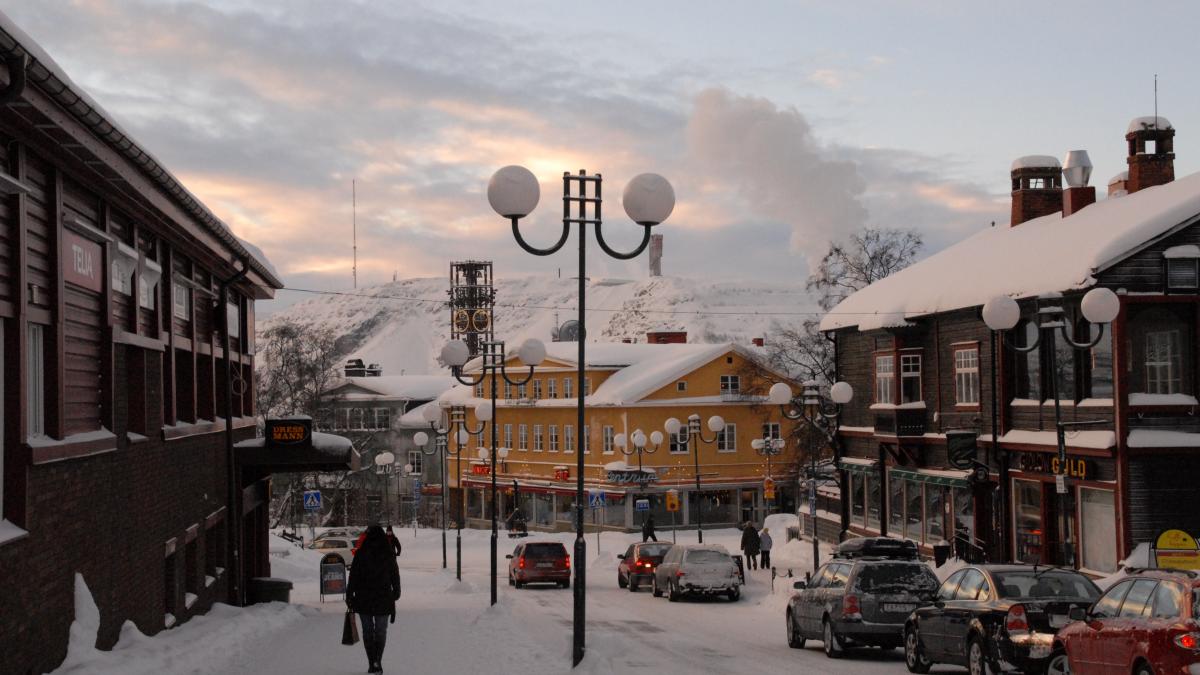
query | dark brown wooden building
(922,362)
(118,292)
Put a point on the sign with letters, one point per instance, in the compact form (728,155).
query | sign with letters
(632,476)
(1041,462)
(1176,549)
(333,578)
(290,432)
(82,262)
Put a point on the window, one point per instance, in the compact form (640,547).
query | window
(356,418)
(910,378)
(730,384)
(727,438)
(857,488)
(585,440)
(552,388)
(522,437)
(1163,362)
(122,278)
(946,592)
(233,319)
(874,503)
(1027,520)
(895,506)
(537,388)
(681,386)
(914,513)
(970,586)
(35,382)
(771,430)
(1139,594)
(885,379)
(1182,273)
(608,439)
(414,460)
(1110,603)
(1098,525)
(537,438)
(146,294)
(383,418)
(567,384)
(520,391)
(553,438)
(966,376)
(587,387)
(183,302)
(507,390)
(935,499)
(1167,602)
(1099,368)
(479,389)
(568,438)
(1029,365)
(341,418)
(508,436)
(679,441)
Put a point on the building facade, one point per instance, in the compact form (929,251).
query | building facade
(126,351)
(629,387)
(929,372)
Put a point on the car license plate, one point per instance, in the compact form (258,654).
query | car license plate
(545,564)
(1059,620)
(897,608)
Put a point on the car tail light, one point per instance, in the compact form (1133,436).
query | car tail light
(521,562)
(1188,641)
(567,562)
(1016,621)
(851,610)
(644,563)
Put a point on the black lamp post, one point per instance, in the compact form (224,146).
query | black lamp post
(820,414)
(456,355)
(442,448)
(715,424)
(768,447)
(1100,306)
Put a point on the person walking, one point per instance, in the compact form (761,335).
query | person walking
(394,542)
(372,593)
(764,546)
(648,528)
(750,545)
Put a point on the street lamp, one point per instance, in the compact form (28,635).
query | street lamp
(639,444)
(648,199)
(383,466)
(1100,306)
(456,354)
(716,424)
(768,447)
(433,416)
(820,414)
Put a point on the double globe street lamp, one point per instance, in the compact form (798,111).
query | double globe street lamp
(433,417)
(768,447)
(513,192)
(716,424)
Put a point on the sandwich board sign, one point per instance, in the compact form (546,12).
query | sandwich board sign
(1176,549)
(333,578)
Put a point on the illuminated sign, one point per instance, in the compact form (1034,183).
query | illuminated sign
(1040,462)
(289,433)
(632,476)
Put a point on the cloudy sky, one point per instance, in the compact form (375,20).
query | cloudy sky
(781,124)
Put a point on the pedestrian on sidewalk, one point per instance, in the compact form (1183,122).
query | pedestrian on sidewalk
(393,542)
(648,528)
(764,545)
(373,591)
(750,545)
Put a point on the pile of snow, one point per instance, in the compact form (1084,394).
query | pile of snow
(778,524)
(951,566)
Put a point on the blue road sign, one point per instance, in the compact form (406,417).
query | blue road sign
(597,500)
(417,490)
(641,505)
(312,500)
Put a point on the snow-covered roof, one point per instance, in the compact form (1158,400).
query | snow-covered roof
(1043,255)
(409,387)
(1035,162)
(415,418)
(1139,123)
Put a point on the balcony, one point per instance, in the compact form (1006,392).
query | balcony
(734,396)
(906,420)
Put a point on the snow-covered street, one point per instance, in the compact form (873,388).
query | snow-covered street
(446,626)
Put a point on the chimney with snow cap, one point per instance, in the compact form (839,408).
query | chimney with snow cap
(1077,170)
(1151,152)
(1036,187)
(1118,185)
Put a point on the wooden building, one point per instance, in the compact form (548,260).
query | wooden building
(922,361)
(118,293)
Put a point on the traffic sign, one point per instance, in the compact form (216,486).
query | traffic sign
(417,490)
(596,500)
(312,500)
(768,488)
(672,501)
(641,505)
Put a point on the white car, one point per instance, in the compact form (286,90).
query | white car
(339,546)
(697,569)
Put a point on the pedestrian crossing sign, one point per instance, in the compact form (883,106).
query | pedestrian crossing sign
(312,500)
(596,500)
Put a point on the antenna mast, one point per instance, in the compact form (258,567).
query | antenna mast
(354,228)
(1156,101)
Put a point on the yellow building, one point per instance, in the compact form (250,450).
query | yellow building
(628,387)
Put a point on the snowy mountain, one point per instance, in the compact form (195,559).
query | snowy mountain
(402,325)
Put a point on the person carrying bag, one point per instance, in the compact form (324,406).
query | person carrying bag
(372,593)
(349,629)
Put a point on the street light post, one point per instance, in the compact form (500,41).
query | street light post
(716,424)
(441,448)
(820,414)
(1100,306)
(768,447)
(433,416)
(648,199)
(383,467)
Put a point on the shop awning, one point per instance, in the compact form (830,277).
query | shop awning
(949,478)
(855,464)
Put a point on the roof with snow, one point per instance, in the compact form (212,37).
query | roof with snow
(1045,255)
(407,387)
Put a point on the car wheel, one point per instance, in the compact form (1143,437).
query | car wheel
(654,588)
(621,581)
(1145,669)
(795,641)
(510,580)
(833,644)
(565,584)
(734,593)
(976,659)
(518,583)
(633,585)
(1059,664)
(914,653)
(673,592)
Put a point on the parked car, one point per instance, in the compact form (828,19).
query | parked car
(860,600)
(996,618)
(341,532)
(638,564)
(697,569)
(342,548)
(539,562)
(1145,624)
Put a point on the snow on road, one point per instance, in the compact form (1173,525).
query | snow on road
(447,626)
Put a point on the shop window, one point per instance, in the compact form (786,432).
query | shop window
(727,438)
(857,490)
(35,379)
(964,520)
(910,378)
(966,376)
(537,438)
(874,502)
(568,438)
(895,506)
(885,379)
(1027,520)
(679,442)
(1098,527)
(523,437)
(553,438)
(935,500)
(914,519)
(607,434)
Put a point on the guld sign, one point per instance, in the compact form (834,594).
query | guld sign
(1041,462)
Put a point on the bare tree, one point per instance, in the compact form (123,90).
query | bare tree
(296,364)
(868,256)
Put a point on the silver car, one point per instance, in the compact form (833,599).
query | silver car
(697,569)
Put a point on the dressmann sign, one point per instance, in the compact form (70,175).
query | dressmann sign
(292,432)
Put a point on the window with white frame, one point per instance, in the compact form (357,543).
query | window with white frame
(35,379)
(551,388)
(681,385)
(731,384)
(356,419)
(607,432)
(966,376)
(679,442)
(568,383)
(537,438)
(537,388)
(772,430)
(508,436)
(182,301)
(522,437)
(885,378)
(584,442)
(568,438)
(553,438)
(910,378)
(479,389)
(520,391)
(233,319)
(1164,372)
(727,438)
(507,390)
(383,418)
(414,459)
(341,418)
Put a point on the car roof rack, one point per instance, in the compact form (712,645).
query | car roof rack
(876,548)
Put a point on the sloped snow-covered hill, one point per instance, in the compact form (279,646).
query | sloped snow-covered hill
(390,325)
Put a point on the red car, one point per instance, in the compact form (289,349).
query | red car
(1146,624)
(539,562)
(638,563)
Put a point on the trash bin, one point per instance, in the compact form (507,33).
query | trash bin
(941,553)
(268,589)
(737,559)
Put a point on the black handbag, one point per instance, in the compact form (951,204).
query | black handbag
(349,629)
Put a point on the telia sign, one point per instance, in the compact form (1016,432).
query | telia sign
(82,262)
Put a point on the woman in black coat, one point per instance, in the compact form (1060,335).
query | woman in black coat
(373,591)
(750,545)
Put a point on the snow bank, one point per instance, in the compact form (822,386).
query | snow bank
(951,566)
(778,524)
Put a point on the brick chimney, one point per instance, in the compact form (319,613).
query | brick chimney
(759,342)
(1077,170)
(666,337)
(1151,152)
(1118,185)
(1036,188)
